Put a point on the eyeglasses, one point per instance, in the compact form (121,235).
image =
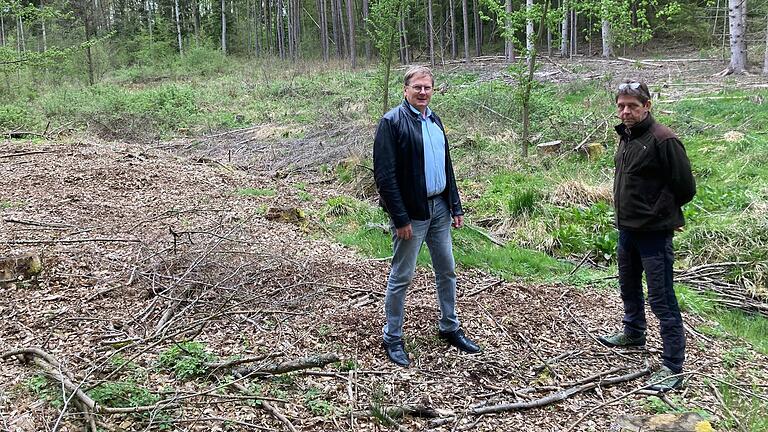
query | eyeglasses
(419,88)
(631,85)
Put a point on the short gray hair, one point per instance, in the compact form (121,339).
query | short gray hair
(634,88)
(417,70)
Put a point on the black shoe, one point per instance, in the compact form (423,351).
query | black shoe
(622,340)
(460,341)
(396,353)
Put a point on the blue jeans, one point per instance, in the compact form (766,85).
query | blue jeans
(436,232)
(651,252)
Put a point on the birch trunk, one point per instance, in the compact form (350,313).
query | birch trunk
(529,29)
(564,33)
(178,26)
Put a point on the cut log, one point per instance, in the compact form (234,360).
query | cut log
(550,147)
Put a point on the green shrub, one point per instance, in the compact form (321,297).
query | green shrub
(186,359)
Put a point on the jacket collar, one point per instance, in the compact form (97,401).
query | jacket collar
(636,130)
(414,112)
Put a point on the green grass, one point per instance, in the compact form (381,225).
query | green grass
(255,192)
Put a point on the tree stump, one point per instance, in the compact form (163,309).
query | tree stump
(594,150)
(19,268)
(550,147)
(682,422)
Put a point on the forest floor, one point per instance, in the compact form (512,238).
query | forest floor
(218,240)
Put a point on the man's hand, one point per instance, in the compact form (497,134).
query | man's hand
(405,232)
(458,221)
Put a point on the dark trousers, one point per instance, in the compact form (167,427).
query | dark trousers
(651,252)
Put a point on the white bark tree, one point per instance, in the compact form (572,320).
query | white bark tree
(529,28)
(178,25)
(564,26)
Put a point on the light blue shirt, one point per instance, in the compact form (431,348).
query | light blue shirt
(433,140)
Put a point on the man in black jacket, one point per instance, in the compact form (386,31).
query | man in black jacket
(417,188)
(652,181)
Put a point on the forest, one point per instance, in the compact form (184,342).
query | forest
(191,239)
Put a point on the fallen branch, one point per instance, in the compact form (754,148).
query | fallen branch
(236,362)
(290,366)
(264,404)
(557,397)
(643,62)
(86,240)
(10,155)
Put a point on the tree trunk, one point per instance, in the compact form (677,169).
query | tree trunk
(478,29)
(88,54)
(257,24)
(150,24)
(509,45)
(291,43)
(351,21)
(607,40)
(574,32)
(196,21)
(342,29)
(737,11)
(223,27)
(466,30)
(564,26)
(268,37)
(453,28)
(322,18)
(368,52)
(42,23)
(529,29)
(22,46)
(178,26)
(431,33)
(2,30)
(765,55)
(335,18)
(406,46)
(280,29)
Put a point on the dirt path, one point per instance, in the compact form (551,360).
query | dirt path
(170,252)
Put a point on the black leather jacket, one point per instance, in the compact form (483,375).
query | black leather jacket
(398,167)
(653,178)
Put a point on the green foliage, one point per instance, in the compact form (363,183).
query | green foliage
(317,405)
(186,359)
(256,192)
(13,117)
(122,394)
(42,388)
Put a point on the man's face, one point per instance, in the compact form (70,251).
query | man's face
(418,92)
(631,110)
